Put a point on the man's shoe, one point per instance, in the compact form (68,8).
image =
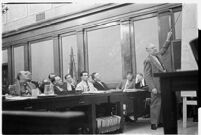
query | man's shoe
(130,119)
(160,124)
(153,126)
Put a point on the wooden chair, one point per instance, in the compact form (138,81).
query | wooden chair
(184,95)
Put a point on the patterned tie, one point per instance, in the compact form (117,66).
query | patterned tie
(88,89)
(101,85)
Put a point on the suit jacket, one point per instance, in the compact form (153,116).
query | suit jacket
(131,85)
(138,86)
(23,88)
(59,90)
(151,66)
(66,88)
(98,86)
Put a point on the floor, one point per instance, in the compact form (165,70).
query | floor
(142,126)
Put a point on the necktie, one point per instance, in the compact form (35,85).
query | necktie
(88,89)
(101,84)
(126,85)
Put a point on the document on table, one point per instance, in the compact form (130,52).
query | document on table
(132,90)
(86,92)
(18,98)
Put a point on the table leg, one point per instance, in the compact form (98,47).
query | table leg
(120,113)
(92,118)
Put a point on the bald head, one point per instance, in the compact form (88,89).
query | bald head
(151,49)
(24,76)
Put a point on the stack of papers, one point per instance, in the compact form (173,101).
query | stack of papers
(46,95)
(108,123)
(86,92)
(18,98)
(132,90)
(113,90)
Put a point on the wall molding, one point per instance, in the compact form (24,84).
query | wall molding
(64,25)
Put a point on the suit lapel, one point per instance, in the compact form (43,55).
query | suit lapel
(159,58)
(156,63)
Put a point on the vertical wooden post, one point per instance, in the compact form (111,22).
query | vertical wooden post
(56,52)
(10,65)
(126,47)
(80,51)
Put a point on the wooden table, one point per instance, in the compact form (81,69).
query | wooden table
(37,122)
(72,100)
(135,102)
(171,82)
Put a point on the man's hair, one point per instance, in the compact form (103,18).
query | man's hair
(65,77)
(140,74)
(129,73)
(81,74)
(52,77)
(93,75)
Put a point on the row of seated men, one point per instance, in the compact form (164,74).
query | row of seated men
(24,83)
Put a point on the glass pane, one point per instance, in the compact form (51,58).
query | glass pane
(69,49)
(146,31)
(4,56)
(104,51)
(177,22)
(42,59)
(19,59)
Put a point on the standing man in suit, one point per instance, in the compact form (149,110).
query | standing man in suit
(153,64)
(98,84)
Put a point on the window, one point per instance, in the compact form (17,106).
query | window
(104,53)
(146,32)
(18,59)
(42,60)
(69,49)
(178,24)
(4,56)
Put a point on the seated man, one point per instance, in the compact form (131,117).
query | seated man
(85,85)
(140,82)
(102,109)
(70,84)
(58,86)
(23,85)
(98,84)
(129,83)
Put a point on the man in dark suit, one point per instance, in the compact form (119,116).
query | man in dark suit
(69,84)
(98,84)
(140,82)
(153,64)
